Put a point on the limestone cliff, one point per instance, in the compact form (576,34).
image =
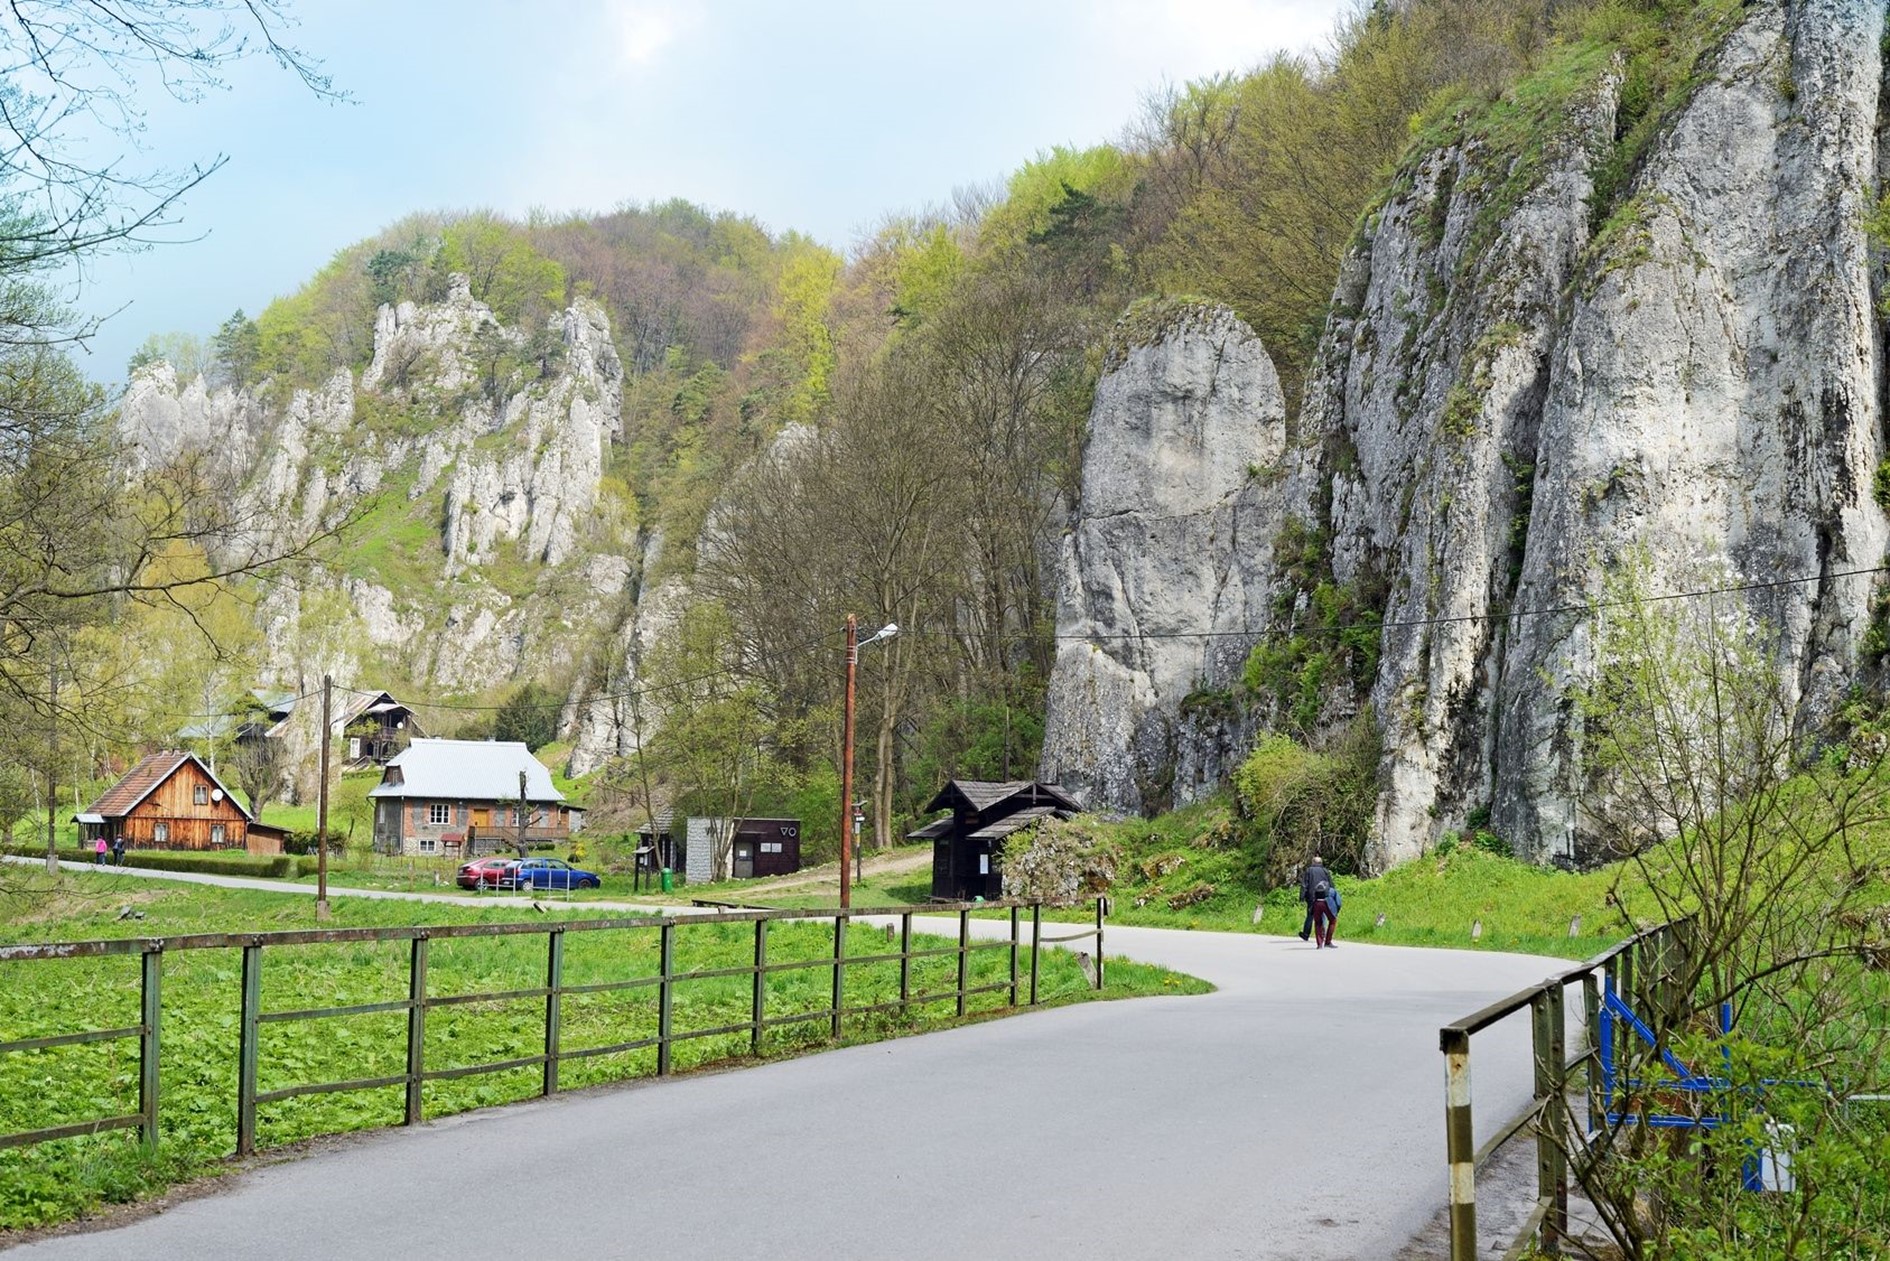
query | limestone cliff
(1162,571)
(488,548)
(1515,390)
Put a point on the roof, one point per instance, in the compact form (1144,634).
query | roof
(933,830)
(365,703)
(665,818)
(980,795)
(466,770)
(143,779)
(1012,822)
(208,729)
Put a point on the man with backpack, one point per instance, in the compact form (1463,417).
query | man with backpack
(1316,891)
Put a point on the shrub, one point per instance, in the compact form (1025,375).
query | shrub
(1060,862)
(1300,801)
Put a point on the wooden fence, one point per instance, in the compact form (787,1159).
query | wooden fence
(150,953)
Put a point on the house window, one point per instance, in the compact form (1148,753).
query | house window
(427,844)
(439,814)
(160,834)
(216,834)
(200,794)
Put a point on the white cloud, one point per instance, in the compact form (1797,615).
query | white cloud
(644,28)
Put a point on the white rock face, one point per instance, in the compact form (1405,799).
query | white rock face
(511,474)
(1501,411)
(1172,539)
(1716,394)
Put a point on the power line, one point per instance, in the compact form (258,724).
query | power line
(1590,607)
(631,694)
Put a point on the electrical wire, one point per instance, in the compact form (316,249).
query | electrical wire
(1588,608)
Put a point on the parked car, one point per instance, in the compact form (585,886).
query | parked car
(546,873)
(483,873)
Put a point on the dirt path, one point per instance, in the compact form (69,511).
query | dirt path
(912,859)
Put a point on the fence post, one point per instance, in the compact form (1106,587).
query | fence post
(759,1014)
(905,961)
(247,1038)
(150,1011)
(1545,1010)
(1461,1146)
(1557,1120)
(1101,902)
(1591,1021)
(667,952)
(1036,940)
(554,1013)
(964,942)
(839,970)
(1013,956)
(416,1028)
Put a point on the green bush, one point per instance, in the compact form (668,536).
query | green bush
(214,862)
(1300,801)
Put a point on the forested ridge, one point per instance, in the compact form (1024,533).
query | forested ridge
(894,433)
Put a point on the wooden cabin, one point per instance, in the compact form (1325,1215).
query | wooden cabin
(377,727)
(172,800)
(968,843)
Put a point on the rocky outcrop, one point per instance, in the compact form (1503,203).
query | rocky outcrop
(1163,571)
(1516,390)
(490,440)
(1716,391)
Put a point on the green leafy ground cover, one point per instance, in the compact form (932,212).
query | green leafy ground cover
(59,1180)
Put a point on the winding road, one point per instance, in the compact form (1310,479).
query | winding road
(1297,1112)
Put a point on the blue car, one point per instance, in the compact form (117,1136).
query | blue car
(546,873)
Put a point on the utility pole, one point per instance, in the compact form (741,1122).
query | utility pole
(52,761)
(846,767)
(523,809)
(321,810)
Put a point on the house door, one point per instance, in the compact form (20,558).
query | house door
(482,817)
(744,859)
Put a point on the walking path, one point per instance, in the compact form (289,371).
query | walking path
(1297,1112)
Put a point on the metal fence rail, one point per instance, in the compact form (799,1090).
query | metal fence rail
(418,1002)
(1644,969)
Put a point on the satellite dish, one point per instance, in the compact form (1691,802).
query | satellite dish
(216,794)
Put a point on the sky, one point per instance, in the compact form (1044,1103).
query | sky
(822,116)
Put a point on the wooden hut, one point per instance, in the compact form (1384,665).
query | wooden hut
(172,800)
(968,843)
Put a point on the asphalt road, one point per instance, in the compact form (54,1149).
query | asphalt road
(1297,1112)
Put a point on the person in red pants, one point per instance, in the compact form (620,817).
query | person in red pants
(1324,915)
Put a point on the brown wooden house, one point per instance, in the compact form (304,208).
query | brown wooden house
(172,800)
(968,843)
(377,727)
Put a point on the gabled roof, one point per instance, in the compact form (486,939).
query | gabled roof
(1012,822)
(466,770)
(979,796)
(371,703)
(143,779)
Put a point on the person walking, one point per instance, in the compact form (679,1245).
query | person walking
(1315,886)
(1309,875)
(98,851)
(118,850)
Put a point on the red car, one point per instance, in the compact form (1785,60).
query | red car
(483,873)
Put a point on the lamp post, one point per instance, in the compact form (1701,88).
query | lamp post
(854,644)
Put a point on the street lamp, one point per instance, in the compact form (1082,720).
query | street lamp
(854,644)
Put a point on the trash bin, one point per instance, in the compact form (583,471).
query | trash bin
(668,882)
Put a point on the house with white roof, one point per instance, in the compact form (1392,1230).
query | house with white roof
(467,797)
